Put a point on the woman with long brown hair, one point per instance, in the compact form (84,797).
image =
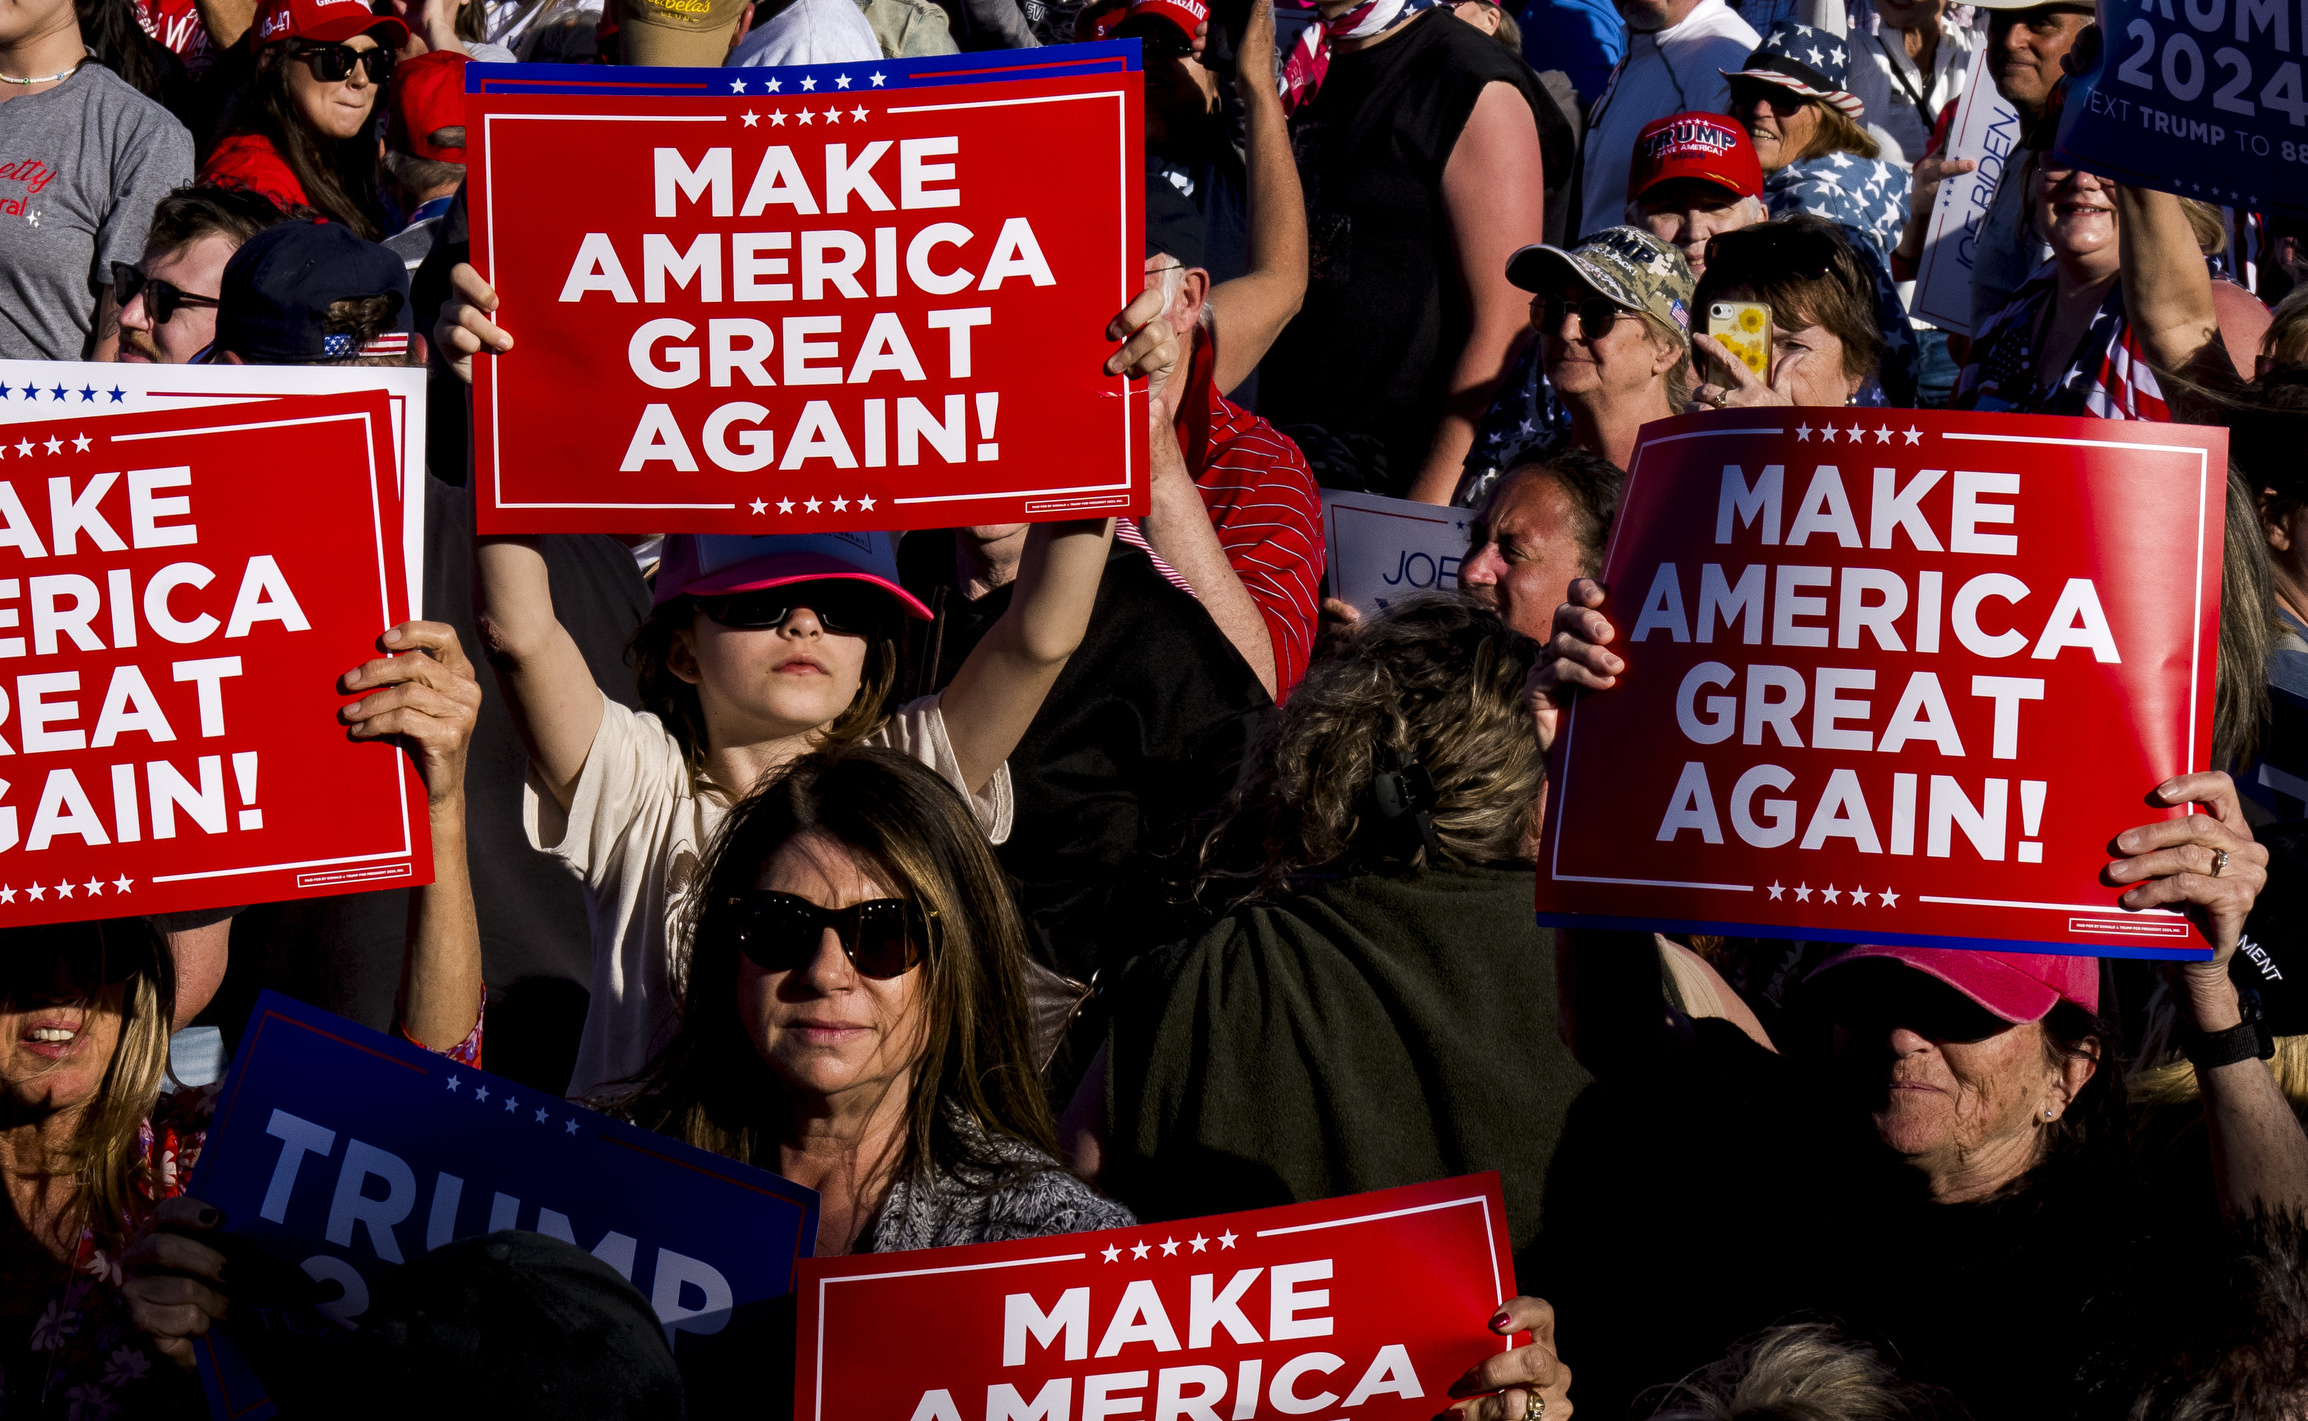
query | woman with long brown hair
(853,1015)
(304,132)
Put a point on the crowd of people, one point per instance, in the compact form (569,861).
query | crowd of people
(1004,881)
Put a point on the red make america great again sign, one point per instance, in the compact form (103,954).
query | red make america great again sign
(1366,1307)
(1893,676)
(783,312)
(178,594)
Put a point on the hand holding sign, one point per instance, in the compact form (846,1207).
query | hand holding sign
(1852,662)
(1502,1387)
(175,1283)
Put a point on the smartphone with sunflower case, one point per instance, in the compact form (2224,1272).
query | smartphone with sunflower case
(1744,328)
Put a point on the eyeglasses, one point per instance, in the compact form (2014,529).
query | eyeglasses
(778,932)
(1777,248)
(334,62)
(1597,314)
(843,608)
(160,298)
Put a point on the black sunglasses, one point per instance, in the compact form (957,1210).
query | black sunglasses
(334,62)
(1597,314)
(160,298)
(843,608)
(1774,248)
(778,932)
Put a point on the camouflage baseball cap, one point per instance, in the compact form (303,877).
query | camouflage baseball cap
(1626,265)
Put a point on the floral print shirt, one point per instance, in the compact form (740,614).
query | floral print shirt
(84,1359)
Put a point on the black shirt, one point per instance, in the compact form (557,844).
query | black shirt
(1141,735)
(1367,362)
(1760,1198)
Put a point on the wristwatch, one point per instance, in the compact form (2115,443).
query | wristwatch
(2245,1041)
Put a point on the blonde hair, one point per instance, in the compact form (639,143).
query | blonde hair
(105,1156)
(1839,133)
(1799,1372)
(2161,1076)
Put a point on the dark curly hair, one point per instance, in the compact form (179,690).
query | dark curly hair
(1435,680)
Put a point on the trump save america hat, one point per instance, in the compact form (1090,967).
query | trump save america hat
(713,564)
(1705,146)
(326,22)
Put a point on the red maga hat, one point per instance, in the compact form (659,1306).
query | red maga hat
(428,95)
(1706,146)
(325,22)
(1167,25)
(2017,986)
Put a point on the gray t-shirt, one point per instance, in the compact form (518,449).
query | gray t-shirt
(81,167)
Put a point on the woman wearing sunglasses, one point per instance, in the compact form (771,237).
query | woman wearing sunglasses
(879,1048)
(302,133)
(1824,339)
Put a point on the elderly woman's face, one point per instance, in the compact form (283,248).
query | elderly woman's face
(1810,356)
(1781,122)
(1958,1093)
(56,1040)
(824,1027)
(1595,352)
(2076,211)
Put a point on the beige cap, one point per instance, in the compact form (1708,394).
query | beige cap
(679,33)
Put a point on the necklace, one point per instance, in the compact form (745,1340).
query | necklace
(46,78)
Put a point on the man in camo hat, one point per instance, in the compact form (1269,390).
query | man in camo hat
(1614,321)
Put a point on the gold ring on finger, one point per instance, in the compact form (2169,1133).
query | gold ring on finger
(1535,1408)
(2219,862)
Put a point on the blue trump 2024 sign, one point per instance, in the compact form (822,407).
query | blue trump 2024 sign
(338,1153)
(2204,98)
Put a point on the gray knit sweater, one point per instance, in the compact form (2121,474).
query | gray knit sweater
(941,1209)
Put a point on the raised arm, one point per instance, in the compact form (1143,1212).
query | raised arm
(1250,311)
(424,695)
(1495,196)
(2208,865)
(2167,287)
(546,683)
(1000,688)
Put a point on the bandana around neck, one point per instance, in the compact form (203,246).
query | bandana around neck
(1309,60)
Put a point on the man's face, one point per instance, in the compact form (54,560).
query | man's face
(1652,16)
(1524,552)
(2024,49)
(1685,212)
(197,269)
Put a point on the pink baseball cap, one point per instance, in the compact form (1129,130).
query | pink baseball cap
(2017,986)
(326,22)
(713,564)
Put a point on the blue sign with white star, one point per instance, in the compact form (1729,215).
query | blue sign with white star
(2185,103)
(338,1153)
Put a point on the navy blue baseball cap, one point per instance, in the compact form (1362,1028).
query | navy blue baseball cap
(278,287)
